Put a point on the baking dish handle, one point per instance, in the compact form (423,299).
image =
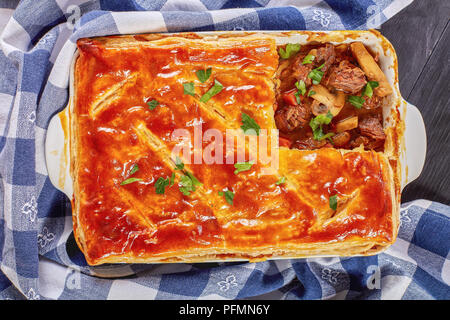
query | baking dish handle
(57,153)
(415,142)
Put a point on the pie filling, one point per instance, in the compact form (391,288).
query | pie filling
(330,96)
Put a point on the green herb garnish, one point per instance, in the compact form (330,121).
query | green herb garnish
(356,101)
(291,49)
(311,93)
(333,202)
(368,89)
(297,97)
(172,179)
(130,180)
(152,104)
(242,166)
(203,75)
(229,196)
(308,59)
(216,88)
(134,169)
(179,165)
(316,75)
(188,183)
(161,184)
(249,126)
(189,88)
(281,181)
(317,123)
(301,86)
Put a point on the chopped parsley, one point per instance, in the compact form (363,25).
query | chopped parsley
(311,93)
(308,59)
(316,74)
(281,181)
(152,104)
(317,123)
(172,179)
(203,75)
(297,97)
(301,86)
(189,88)
(161,184)
(249,126)
(133,170)
(188,183)
(229,196)
(301,90)
(242,166)
(333,202)
(179,165)
(368,89)
(291,49)
(130,180)
(356,101)
(216,88)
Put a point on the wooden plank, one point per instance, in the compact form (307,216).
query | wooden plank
(414,32)
(431,94)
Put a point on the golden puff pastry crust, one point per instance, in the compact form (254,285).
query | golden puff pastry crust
(113,129)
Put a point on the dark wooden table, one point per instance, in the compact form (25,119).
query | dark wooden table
(421,37)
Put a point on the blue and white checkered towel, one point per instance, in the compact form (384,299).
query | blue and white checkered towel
(38,256)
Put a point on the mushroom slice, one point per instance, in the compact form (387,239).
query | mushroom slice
(333,102)
(341,139)
(347,124)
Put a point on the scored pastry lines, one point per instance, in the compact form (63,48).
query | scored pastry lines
(345,201)
(216,112)
(163,153)
(136,205)
(112,94)
(252,42)
(212,199)
(327,215)
(213,111)
(145,210)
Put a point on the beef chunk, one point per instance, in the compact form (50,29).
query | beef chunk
(368,143)
(372,134)
(325,55)
(376,145)
(290,118)
(358,141)
(372,103)
(347,77)
(371,127)
(296,71)
(300,71)
(310,144)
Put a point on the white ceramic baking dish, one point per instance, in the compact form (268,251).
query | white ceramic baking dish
(412,145)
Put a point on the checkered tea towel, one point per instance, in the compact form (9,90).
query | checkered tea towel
(38,256)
